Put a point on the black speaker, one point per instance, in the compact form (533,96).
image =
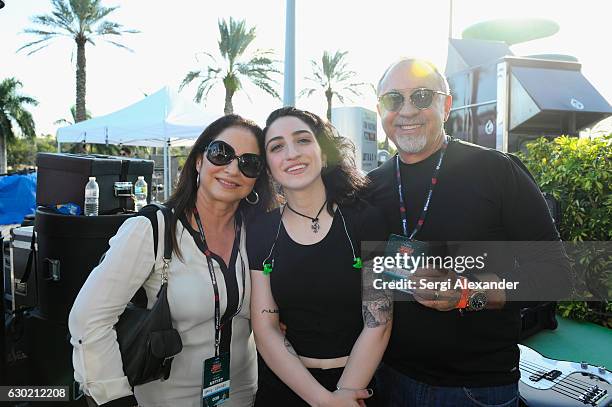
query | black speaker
(69,248)
(39,353)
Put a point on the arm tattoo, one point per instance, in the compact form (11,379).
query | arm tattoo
(269,311)
(377,312)
(376,305)
(290,347)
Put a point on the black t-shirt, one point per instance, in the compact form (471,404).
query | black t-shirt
(316,287)
(481,195)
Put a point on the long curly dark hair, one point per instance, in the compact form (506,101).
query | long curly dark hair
(342,179)
(183,198)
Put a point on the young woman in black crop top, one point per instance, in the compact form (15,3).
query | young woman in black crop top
(306,271)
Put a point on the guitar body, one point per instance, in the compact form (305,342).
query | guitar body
(555,383)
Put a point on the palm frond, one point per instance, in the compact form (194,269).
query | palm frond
(37,49)
(307,92)
(42,32)
(108,28)
(204,89)
(340,97)
(101,12)
(30,44)
(266,87)
(26,123)
(118,44)
(234,39)
(63,122)
(26,100)
(63,13)
(6,126)
(188,78)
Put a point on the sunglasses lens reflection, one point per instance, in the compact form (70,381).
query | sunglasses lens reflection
(250,165)
(421,98)
(393,102)
(220,153)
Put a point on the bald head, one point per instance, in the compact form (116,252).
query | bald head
(419,68)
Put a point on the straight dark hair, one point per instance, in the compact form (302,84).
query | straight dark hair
(342,179)
(184,197)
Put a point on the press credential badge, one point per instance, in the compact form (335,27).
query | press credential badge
(216,380)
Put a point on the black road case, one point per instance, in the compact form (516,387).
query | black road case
(69,247)
(62,179)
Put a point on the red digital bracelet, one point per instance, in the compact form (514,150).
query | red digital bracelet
(465,294)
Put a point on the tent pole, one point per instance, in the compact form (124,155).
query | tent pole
(59,147)
(166,186)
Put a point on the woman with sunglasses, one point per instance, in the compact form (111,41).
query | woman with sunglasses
(306,271)
(208,279)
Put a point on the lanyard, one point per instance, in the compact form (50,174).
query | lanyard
(434,182)
(218,324)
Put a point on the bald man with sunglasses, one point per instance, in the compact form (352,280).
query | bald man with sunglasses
(453,345)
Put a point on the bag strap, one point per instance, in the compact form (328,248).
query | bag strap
(150,212)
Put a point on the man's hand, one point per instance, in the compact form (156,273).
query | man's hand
(436,288)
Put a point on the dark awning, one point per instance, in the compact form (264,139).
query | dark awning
(543,97)
(554,89)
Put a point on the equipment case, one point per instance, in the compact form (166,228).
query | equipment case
(62,179)
(69,248)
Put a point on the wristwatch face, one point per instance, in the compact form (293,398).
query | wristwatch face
(477,301)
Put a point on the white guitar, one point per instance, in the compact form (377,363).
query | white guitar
(555,383)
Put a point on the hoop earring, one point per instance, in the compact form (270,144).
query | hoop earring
(254,201)
(198,180)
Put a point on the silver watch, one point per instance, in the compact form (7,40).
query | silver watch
(477,301)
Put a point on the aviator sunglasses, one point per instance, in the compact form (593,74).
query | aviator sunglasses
(220,153)
(421,98)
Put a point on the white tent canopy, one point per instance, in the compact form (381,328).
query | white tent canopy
(163,119)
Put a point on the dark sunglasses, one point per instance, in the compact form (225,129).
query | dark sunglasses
(220,153)
(421,98)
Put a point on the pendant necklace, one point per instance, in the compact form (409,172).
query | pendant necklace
(315,221)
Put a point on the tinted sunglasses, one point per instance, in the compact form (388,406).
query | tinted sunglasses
(220,153)
(421,98)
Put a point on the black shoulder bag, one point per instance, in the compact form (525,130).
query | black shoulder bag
(147,340)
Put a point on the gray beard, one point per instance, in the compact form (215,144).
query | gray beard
(412,145)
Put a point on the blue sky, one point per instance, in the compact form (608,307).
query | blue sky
(374,34)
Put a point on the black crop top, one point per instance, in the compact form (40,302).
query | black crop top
(316,288)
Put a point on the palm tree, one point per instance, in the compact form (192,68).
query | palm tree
(83,21)
(258,67)
(332,76)
(64,122)
(13,111)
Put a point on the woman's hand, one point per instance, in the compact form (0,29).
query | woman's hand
(346,398)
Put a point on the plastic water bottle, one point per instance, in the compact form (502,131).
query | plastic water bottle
(92,193)
(140,193)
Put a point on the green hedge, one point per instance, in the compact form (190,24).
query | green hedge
(577,172)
